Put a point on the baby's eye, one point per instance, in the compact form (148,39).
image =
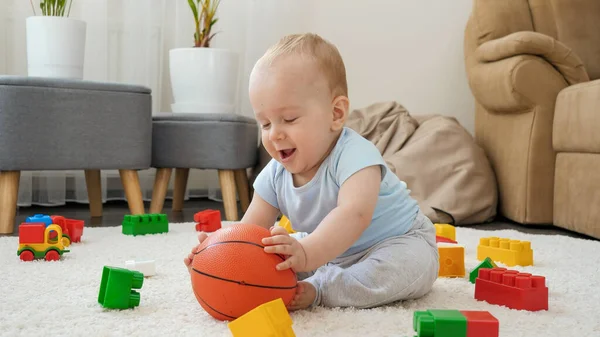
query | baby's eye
(265,126)
(290,120)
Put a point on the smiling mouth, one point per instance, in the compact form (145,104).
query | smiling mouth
(285,154)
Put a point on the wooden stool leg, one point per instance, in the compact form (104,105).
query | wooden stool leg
(9,192)
(94,190)
(227,181)
(133,191)
(181,178)
(241,181)
(159,191)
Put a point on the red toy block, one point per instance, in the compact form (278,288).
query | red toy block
(481,323)
(31,232)
(521,291)
(208,220)
(443,239)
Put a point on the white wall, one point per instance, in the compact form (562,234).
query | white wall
(408,51)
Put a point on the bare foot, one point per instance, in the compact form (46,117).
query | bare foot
(188,260)
(305,296)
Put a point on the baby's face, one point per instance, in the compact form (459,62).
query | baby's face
(293,105)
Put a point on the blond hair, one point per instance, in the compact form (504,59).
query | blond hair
(325,54)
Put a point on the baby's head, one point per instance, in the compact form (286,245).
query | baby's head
(299,94)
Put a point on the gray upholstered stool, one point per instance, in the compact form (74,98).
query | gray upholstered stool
(56,124)
(225,142)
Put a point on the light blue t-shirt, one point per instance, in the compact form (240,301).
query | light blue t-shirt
(308,205)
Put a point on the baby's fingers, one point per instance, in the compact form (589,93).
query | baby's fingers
(202,236)
(287,264)
(279,249)
(277,239)
(278,230)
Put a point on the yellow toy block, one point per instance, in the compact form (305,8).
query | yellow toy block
(452,260)
(510,252)
(267,320)
(287,224)
(445,230)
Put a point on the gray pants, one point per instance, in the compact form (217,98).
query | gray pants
(398,268)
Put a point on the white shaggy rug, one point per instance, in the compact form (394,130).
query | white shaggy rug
(60,298)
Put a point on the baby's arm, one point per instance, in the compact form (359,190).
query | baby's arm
(345,223)
(260,213)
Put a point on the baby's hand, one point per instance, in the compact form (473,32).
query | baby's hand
(188,260)
(280,242)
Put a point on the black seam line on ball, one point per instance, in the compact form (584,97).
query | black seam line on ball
(235,241)
(244,283)
(215,310)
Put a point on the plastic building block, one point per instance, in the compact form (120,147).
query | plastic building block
(270,319)
(116,288)
(443,239)
(452,260)
(455,323)
(287,224)
(147,267)
(481,323)
(35,242)
(445,230)
(73,227)
(208,220)
(440,323)
(40,218)
(521,291)
(487,263)
(510,252)
(145,224)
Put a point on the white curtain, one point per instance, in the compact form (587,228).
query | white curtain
(128,41)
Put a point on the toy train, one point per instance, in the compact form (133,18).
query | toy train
(44,236)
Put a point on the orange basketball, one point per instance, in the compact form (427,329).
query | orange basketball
(232,274)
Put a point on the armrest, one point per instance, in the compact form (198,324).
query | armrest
(577,119)
(568,64)
(515,84)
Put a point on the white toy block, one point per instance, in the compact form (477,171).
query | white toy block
(147,267)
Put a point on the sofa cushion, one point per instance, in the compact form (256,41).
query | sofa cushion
(495,19)
(576,119)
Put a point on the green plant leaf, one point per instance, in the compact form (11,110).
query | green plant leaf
(52,4)
(194,9)
(61,7)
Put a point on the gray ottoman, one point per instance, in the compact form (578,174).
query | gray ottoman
(59,124)
(224,142)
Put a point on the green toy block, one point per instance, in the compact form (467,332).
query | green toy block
(487,263)
(440,323)
(145,224)
(116,288)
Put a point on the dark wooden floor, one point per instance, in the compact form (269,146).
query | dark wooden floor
(113,213)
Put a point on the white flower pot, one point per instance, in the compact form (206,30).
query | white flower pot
(204,80)
(55,46)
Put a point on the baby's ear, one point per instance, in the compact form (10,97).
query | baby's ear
(340,106)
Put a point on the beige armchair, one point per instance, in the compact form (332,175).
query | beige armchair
(533,67)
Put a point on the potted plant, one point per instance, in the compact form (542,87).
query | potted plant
(204,79)
(55,42)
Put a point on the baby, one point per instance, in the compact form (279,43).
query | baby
(362,240)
